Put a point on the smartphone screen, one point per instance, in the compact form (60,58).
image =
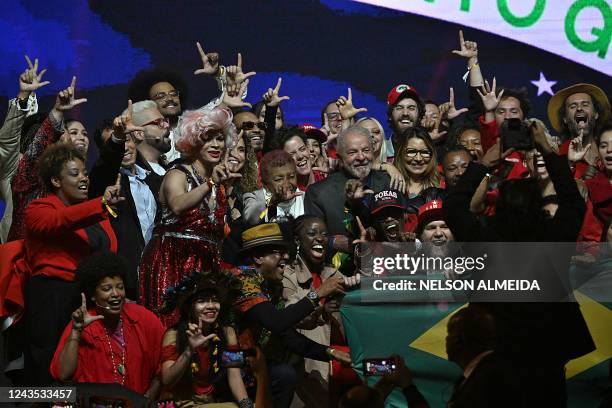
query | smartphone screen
(378,366)
(236,358)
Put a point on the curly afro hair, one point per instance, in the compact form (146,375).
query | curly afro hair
(140,85)
(52,161)
(93,269)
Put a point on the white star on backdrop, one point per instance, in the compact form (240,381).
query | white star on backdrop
(544,85)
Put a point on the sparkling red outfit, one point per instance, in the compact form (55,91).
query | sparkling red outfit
(181,244)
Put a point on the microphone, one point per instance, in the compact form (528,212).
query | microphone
(102,307)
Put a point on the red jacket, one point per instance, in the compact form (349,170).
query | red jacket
(143,333)
(56,239)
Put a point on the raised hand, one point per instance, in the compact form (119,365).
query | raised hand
(284,193)
(489,99)
(233,95)
(81,317)
(122,125)
(31,79)
(235,74)
(577,149)
(271,98)
(452,111)
(355,190)
(65,99)
(195,337)
(331,286)
(363,234)
(467,49)
(210,62)
(539,137)
(112,194)
(345,105)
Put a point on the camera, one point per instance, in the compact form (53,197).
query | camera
(378,366)
(516,134)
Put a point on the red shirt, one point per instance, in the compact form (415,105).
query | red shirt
(56,239)
(143,333)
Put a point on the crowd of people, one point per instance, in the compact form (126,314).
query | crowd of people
(223,229)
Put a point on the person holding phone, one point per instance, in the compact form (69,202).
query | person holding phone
(195,349)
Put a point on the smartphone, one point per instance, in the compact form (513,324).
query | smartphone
(378,366)
(236,358)
(516,134)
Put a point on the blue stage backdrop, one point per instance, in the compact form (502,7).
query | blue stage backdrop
(319,48)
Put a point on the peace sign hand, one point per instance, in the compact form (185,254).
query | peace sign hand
(468,49)
(195,337)
(81,317)
(489,99)
(31,79)
(271,98)
(210,62)
(345,105)
(65,99)
(235,74)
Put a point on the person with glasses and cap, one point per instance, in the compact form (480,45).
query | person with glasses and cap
(264,319)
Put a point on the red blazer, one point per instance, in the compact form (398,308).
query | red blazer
(143,334)
(56,240)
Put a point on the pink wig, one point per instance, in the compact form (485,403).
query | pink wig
(194,128)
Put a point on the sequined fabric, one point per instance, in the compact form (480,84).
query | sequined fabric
(180,245)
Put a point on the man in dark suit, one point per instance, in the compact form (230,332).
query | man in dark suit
(326,199)
(140,186)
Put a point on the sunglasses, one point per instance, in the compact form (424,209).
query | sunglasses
(251,125)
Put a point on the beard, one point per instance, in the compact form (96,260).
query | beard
(574,130)
(161,145)
(359,169)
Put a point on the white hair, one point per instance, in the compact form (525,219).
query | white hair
(353,129)
(138,108)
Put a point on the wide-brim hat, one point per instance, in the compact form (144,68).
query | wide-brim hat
(263,235)
(558,99)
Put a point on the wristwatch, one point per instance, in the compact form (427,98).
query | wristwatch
(313,296)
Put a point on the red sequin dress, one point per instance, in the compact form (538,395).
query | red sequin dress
(181,245)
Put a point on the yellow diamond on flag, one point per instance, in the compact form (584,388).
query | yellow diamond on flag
(597,316)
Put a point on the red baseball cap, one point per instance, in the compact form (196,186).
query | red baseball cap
(314,132)
(401,90)
(431,211)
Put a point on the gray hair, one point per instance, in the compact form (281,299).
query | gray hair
(353,129)
(138,108)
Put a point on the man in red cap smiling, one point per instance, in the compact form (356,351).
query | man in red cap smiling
(405,109)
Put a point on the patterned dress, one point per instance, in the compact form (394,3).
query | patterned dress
(181,244)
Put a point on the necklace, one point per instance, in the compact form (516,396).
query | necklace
(118,370)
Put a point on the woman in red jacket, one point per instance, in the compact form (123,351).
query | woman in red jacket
(109,340)
(61,229)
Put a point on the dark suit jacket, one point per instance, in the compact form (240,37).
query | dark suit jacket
(493,383)
(126,225)
(529,331)
(326,198)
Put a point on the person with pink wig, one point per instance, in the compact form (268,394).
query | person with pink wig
(188,236)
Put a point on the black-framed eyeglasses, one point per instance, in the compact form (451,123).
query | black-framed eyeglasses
(163,95)
(250,125)
(412,153)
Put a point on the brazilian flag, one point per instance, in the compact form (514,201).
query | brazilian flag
(417,331)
